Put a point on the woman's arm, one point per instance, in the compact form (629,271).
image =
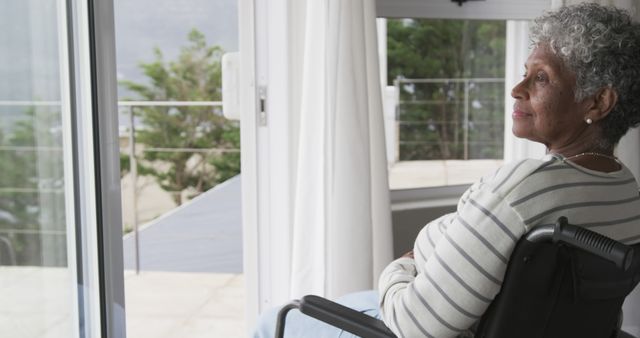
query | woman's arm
(459,277)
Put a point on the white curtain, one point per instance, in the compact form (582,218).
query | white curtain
(342,223)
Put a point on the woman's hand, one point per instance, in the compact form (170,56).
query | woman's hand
(408,254)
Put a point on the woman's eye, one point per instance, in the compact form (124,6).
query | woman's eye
(542,77)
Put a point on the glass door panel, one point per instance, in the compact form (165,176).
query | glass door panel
(37,273)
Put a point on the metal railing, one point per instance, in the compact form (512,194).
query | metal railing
(133,156)
(448,96)
(132,151)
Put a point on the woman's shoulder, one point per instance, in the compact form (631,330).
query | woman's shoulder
(512,174)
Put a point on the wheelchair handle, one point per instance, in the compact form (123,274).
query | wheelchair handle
(602,246)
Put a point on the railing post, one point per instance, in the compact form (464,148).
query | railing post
(465,127)
(396,83)
(133,168)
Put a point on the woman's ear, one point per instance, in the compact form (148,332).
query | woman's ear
(603,102)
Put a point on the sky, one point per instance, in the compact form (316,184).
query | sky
(142,25)
(29,53)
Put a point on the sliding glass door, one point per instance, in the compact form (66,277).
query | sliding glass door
(55,252)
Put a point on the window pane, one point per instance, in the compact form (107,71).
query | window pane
(37,277)
(448,77)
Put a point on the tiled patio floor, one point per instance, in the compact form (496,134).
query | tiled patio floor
(37,303)
(184,305)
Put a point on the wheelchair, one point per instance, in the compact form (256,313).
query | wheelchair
(562,281)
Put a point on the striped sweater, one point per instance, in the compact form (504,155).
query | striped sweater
(460,258)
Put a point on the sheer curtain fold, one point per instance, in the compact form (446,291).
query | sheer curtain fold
(342,223)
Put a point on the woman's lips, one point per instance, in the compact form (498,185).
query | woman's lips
(518,114)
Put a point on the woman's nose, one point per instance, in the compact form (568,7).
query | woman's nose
(519,91)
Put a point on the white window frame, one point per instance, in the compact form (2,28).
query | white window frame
(265,43)
(253,177)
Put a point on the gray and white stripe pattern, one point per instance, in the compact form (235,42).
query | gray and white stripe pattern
(460,258)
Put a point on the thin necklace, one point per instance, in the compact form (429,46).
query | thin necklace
(613,158)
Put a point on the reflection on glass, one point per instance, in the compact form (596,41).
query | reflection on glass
(36,283)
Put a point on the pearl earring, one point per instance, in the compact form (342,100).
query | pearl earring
(589,121)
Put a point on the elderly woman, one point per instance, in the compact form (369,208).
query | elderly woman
(579,95)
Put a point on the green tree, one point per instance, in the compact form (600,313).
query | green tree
(431,114)
(194,76)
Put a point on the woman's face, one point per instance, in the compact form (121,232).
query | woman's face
(545,110)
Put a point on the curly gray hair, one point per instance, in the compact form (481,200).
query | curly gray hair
(601,45)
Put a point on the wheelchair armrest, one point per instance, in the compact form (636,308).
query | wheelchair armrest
(336,315)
